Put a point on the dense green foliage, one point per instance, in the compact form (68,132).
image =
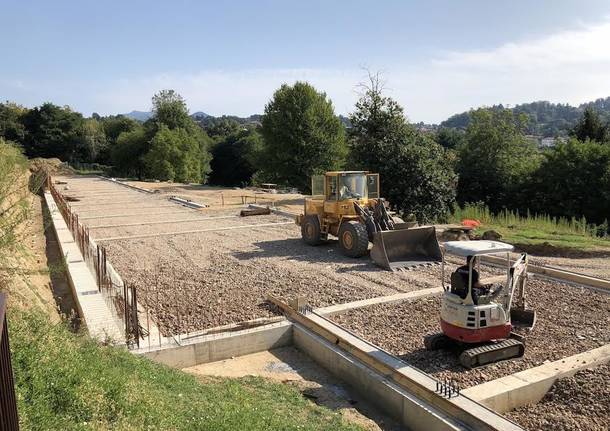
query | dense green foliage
(302,136)
(52,131)
(496,160)
(70,382)
(591,126)
(573,181)
(416,172)
(543,118)
(449,138)
(299,135)
(235,158)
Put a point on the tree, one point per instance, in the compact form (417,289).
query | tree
(113,126)
(416,173)
(169,108)
(574,180)
(495,159)
(11,126)
(590,126)
(234,159)
(52,131)
(219,128)
(93,139)
(174,155)
(449,138)
(171,114)
(127,155)
(302,136)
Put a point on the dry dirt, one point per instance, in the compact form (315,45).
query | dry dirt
(581,402)
(289,366)
(219,197)
(570,320)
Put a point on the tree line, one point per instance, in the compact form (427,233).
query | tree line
(425,174)
(543,118)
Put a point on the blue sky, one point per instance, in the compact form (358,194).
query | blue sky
(437,57)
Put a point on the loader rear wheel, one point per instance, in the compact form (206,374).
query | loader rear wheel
(353,239)
(310,230)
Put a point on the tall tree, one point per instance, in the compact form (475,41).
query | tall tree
(174,155)
(171,115)
(93,139)
(234,158)
(302,135)
(495,159)
(573,180)
(416,173)
(53,131)
(127,155)
(170,108)
(590,126)
(11,126)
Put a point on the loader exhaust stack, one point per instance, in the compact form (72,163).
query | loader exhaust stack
(404,248)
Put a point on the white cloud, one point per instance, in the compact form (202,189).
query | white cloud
(568,67)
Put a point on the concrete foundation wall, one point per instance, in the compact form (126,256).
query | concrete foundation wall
(395,401)
(530,386)
(217,347)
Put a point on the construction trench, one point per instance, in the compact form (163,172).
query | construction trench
(200,281)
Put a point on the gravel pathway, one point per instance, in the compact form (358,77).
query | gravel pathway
(570,321)
(581,402)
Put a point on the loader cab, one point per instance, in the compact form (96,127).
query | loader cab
(345,185)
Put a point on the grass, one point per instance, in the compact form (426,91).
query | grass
(69,382)
(534,229)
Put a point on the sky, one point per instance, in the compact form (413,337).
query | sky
(436,57)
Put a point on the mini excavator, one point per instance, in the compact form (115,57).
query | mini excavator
(478,319)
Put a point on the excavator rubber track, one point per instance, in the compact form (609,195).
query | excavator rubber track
(489,353)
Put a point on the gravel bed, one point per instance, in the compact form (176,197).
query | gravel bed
(581,402)
(570,320)
(204,280)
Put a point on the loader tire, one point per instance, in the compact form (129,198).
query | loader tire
(310,230)
(353,239)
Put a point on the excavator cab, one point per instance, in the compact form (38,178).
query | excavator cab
(348,205)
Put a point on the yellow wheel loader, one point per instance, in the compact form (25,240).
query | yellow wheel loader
(347,205)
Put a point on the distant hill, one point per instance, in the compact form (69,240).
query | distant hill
(199,116)
(138,115)
(546,119)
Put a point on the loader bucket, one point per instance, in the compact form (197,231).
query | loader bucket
(405,248)
(523,317)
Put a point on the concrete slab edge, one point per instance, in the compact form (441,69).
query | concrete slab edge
(531,385)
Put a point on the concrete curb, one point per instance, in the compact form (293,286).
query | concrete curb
(530,386)
(91,305)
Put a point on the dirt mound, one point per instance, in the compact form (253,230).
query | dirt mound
(49,166)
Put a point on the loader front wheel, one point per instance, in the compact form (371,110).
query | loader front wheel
(310,230)
(353,239)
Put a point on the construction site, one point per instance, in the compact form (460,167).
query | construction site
(220,281)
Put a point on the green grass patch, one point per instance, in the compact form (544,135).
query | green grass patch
(69,382)
(531,229)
